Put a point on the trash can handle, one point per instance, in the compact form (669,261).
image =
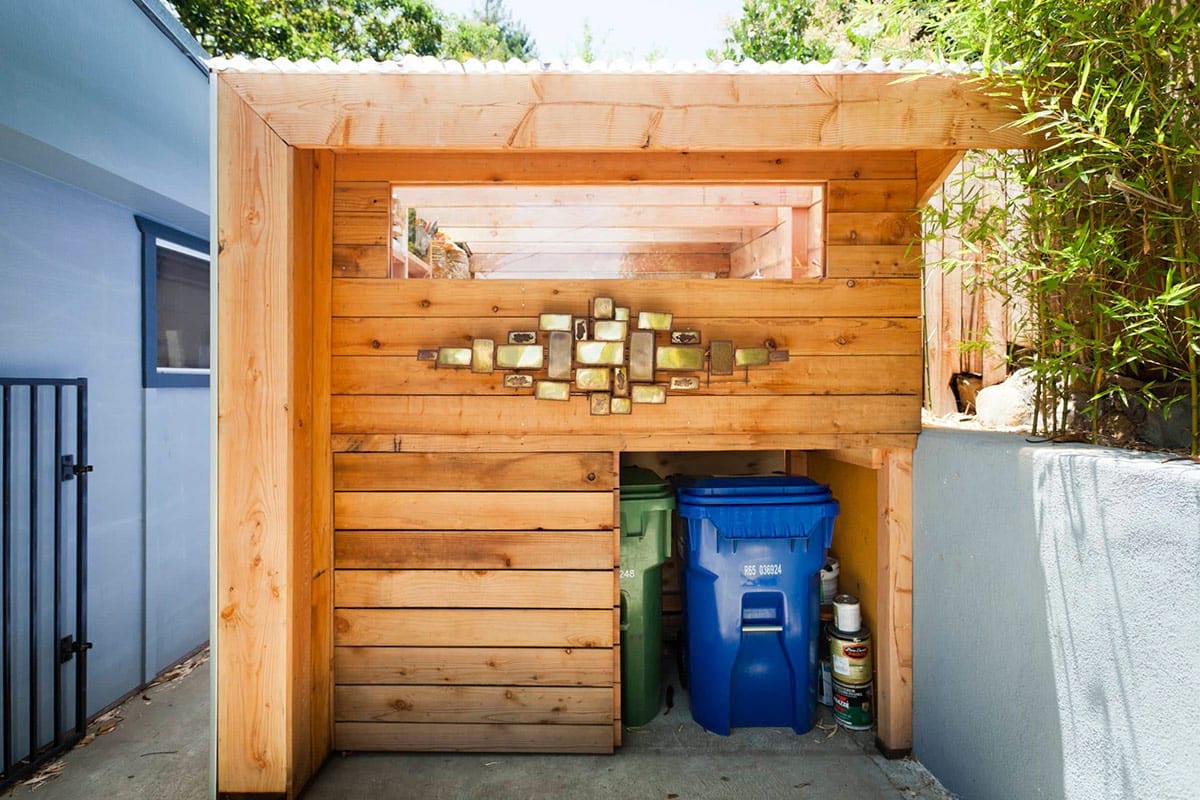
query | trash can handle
(762,629)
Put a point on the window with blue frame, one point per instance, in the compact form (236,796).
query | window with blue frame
(175,307)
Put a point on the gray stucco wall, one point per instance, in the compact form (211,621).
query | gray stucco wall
(1056,599)
(70,295)
(95,95)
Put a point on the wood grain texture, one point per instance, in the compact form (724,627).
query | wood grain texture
(873,228)
(254,447)
(473,550)
(871,195)
(933,167)
(474,627)
(551,219)
(472,510)
(626,265)
(801,336)
(507,666)
(692,112)
(893,633)
(478,738)
(374,228)
(502,588)
(676,195)
(360,261)
(304,761)
(885,297)
(809,375)
(422,166)
(563,705)
(362,197)
(322,461)
(711,415)
(625,442)
(572,472)
(873,261)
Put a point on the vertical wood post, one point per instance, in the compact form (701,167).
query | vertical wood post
(893,615)
(322,464)
(263,470)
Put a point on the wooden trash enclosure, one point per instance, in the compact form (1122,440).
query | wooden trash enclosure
(421,559)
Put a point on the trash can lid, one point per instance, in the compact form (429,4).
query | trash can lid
(764,490)
(639,483)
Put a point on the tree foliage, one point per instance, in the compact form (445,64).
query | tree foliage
(355,29)
(1098,234)
(774,30)
(1107,225)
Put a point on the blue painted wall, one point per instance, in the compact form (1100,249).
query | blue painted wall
(104,117)
(1056,590)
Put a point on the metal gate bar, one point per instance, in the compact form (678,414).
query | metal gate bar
(62,649)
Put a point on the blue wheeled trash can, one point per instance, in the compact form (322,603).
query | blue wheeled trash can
(755,551)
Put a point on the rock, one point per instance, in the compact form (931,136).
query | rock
(966,389)
(1172,430)
(1008,404)
(1117,429)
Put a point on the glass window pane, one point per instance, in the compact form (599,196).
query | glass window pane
(182,306)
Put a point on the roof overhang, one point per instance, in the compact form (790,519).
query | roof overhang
(569,111)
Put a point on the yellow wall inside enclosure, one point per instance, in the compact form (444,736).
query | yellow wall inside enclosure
(854,533)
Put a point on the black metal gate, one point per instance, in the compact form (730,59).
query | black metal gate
(44,564)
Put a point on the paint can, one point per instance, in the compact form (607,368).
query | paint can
(829,581)
(849,643)
(824,684)
(852,705)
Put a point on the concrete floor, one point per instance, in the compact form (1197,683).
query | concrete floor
(160,751)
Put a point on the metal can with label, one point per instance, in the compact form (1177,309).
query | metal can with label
(852,705)
(850,655)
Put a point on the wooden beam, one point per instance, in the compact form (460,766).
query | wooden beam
(705,415)
(626,442)
(300,407)
(933,167)
(257,410)
(590,169)
(485,248)
(602,235)
(597,216)
(863,457)
(322,461)
(768,255)
(893,634)
(593,265)
(678,195)
(635,113)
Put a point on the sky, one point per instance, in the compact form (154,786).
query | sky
(630,29)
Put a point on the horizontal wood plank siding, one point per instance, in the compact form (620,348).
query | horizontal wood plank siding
(577,472)
(474,590)
(457,549)
(812,297)
(472,627)
(464,704)
(504,588)
(801,336)
(474,666)
(475,545)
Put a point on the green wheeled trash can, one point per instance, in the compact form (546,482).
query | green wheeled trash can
(646,505)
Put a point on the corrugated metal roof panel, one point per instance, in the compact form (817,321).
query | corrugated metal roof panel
(428,65)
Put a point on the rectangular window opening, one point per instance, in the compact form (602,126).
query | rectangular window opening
(175,307)
(629,232)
